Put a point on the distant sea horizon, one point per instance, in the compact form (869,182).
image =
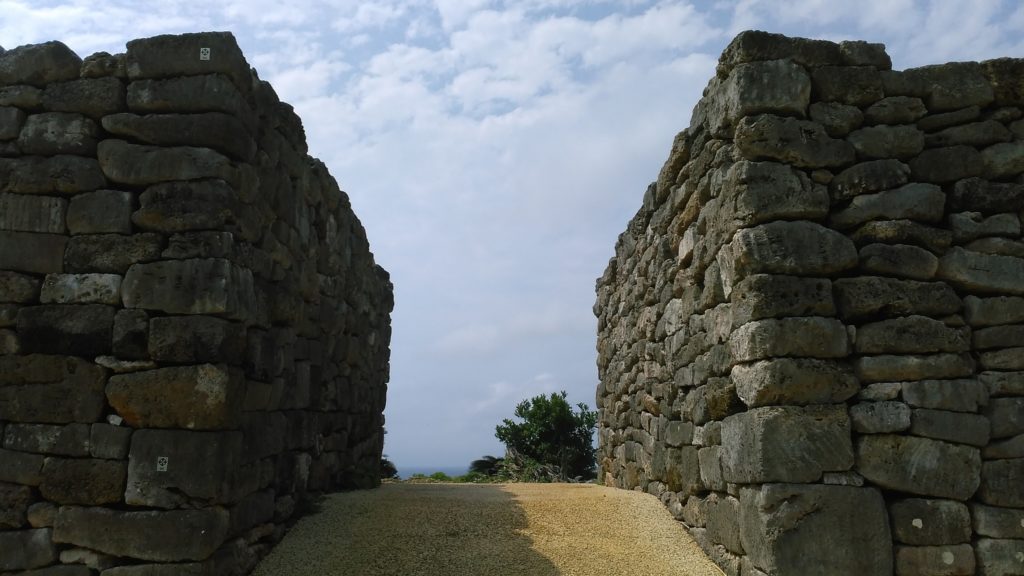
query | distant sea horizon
(405,472)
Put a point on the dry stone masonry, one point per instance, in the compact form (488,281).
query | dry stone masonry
(811,336)
(193,333)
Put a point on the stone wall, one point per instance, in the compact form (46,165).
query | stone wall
(811,336)
(193,333)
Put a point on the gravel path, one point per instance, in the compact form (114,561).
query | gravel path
(488,530)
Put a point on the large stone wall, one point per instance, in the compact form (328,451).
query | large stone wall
(193,333)
(811,336)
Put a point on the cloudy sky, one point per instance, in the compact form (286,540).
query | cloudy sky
(495,149)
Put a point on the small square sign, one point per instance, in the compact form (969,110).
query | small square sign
(161,463)
(204,53)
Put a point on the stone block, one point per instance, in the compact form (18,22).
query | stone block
(895,110)
(934,122)
(14,503)
(984,273)
(678,433)
(131,334)
(900,142)
(954,395)
(773,296)
(178,55)
(29,213)
(911,334)
(143,165)
(957,427)
(1004,76)
(41,388)
(979,195)
(79,329)
(998,522)
(196,339)
(207,244)
(802,143)
(70,440)
(789,381)
(193,397)
(935,240)
(1006,415)
(839,530)
(161,536)
(712,401)
(811,336)
(24,549)
(83,481)
(773,86)
(919,465)
(709,460)
(1003,383)
(1001,246)
(790,248)
(793,444)
(21,96)
(955,560)
(11,120)
(837,119)
(894,368)
(109,442)
(970,225)
(21,468)
(101,212)
(1004,359)
(264,434)
(1012,448)
(199,468)
(253,510)
(755,45)
(30,252)
(899,260)
(928,522)
(53,133)
(999,557)
(880,417)
(189,94)
(723,518)
(207,286)
(976,134)
(767,191)
(18,288)
(38,64)
(112,253)
(947,164)
(94,97)
(868,177)
(993,311)
(221,132)
(192,205)
(1003,161)
(851,85)
(880,391)
(952,86)
(920,202)
(81,289)
(57,175)
(871,297)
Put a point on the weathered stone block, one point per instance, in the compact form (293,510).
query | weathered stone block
(192,397)
(927,522)
(999,557)
(70,440)
(934,122)
(852,85)
(977,134)
(911,334)
(837,119)
(109,442)
(957,427)
(1002,246)
(955,560)
(892,368)
(936,240)
(867,177)
(50,389)
(774,86)
(900,260)
(921,202)
(215,130)
(207,286)
(193,339)
(766,191)
(111,253)
(901,142)
(1006,415)
(94,97)
(101,212)
(812,336)
(59,175)
(870,297)
(167,536)
(22,549)
(879,417)
(895,110)
(28,213)
(34,253)
(839,530)
(18,288)
(709,459)
(978,195)
(52,133)
(26,97)
(955,395)
(1003,161)
(38,64)
(11,120)
(951,86)
(993,311)
(205,93)
(723,517)
(81,289)
(998,522)
(209,244)
(798,142)
(782,381)
(79,329)
(142,165)
(83,481)
(982,272)
(682,470)
(712,401)
(947,164)
(264,434)
(14,503)
(1012,448)
(786,444)
(771,296)
(178,55)
(1003,383)
(755,45)
(970,225)
(1005,359)
(793,248)
(919,465)
(199,468)
(131,334)
(180,206)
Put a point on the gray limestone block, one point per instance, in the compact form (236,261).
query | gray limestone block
(200,286)
(882,141)
(837,119)
(861,53)
(216,130)
(38,64)
(911,334)
(104,65)
(852,85)
(81,289)
(947,164)
(1003,383)
(996,522)
(840,530)
(919,465)
(802,143)
(14,502)
(21,96)
(956,427)
(1003,161)
(1004,75)
(11,121)
(199,468)
(977,134)
(1001,450)
(131,334)
(934,122)
(916,201)
(789,248)
(755,45)
(52,133)
(970,225)
(194,339)
(191,205)
(109,442)
(30,213)
(900,260)
(1004,359)
(956,560)
(142,165)
(867,297)
(83,481)
(997,310)
(101,212)
(79,329)
(206,244)
(793,444)
(203,397)
(24,549)
(69,440)
(94,97)
(966,395)
(999,557)
(32,252)
(712,401)
(61,175)
(772,86)
(896,368)
(880,391)
(113,253)
(895,110)
(771,296)
(162,536)
(21,468)
(678,433)
(8,315)
(935,240)
(40,388)
(870,176)
(1000,246)
(189,94)
(793,381)
(812,336)
(984,273)
(723,521)
(42,514)
(1006,415)
(930,522)
(880,417)
(710,462)
(766,191)
(682,470)
(188,55)
(9,342)
(952,86)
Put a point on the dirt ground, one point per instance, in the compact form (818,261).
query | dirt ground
(486,530)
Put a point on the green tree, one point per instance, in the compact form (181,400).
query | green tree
(552,434)
(487,466)
(387,468)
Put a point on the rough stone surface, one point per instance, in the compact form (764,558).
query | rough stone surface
(24,213)
(141,165)
(24,549)
(218,131)
(798,142)
(837,119)
(998,522)
(94,97)
(201,286)
(191,397)
(787,248)
(880,417)
(958,427)
(919,465)
(983,273)
(60,175)
(935,240)
(866,296)
(929,522)
(32,253)
(182,206)
(53,133)
(899,260)
(38,64)
(809,337)
(776,86)
(111,253)
(947,164)
(81,289)
(198,470)
(799,381)
(83,481)
(901,142)
(892,367)
(919,202)
(910,334)
(70,440)
(955,560)
(955,395)
(870,176)
(50,389)
(998,557)
(80,329)
(101,212)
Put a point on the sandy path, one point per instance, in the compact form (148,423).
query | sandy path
(484,530)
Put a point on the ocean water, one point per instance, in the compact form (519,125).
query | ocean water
(404,472)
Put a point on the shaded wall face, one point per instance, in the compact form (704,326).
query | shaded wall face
(193,333)
(811,336)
